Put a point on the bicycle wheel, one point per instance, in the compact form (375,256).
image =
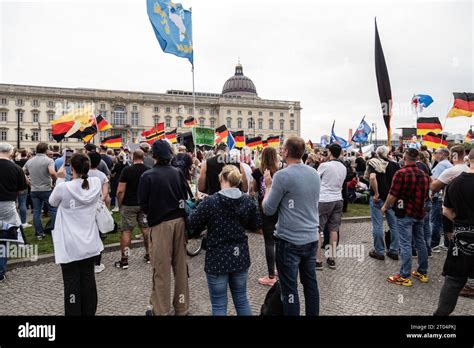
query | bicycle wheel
(195,245)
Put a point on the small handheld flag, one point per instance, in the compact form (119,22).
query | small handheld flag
(425,125)
(338,140)
(421,101)
(114,141)
(361,135)
(463,105)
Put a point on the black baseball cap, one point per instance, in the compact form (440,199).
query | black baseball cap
(162,150)
(90,147)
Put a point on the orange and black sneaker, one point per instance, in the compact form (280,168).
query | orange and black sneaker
(399,280)
(421,277)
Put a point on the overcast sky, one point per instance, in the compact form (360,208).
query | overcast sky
(318,52)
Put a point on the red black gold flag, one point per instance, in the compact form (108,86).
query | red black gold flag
(273,141)
(435,141)
(254,142)
(172,136)
(463,105)
(157,132)
(383,84)
(102,123)
(221,134)
(264,143)
(190,121)
(239,139)
(114,141)
(425,125)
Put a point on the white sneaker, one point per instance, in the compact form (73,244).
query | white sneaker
(116,209)
(26,225)
(100,268)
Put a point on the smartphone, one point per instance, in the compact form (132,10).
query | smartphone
(67,154)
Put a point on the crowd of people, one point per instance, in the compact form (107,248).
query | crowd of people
(294,196)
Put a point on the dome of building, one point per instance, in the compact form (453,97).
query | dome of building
(239,85)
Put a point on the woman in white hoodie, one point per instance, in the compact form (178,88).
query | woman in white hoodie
(76,236)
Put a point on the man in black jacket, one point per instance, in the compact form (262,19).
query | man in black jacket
(162,194)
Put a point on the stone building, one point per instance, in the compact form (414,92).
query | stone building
(238,107)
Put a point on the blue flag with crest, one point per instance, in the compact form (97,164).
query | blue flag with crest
(338,140)
(361,135)
(172,25)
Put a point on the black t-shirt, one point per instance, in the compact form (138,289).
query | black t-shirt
(384,181)
(131,176)
(459,196)
(12,180)
(214,167)
(360,164)
(106,158)
(21,162)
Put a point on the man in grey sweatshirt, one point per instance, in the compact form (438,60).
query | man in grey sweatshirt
(294,194)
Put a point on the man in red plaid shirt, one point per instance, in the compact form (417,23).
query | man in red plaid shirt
(408,194)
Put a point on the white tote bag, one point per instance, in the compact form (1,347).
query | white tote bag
(104,218)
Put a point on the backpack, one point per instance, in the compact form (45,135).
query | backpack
(272,306)
(189,206)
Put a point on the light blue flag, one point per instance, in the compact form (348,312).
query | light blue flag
(361,135)
(338,140)
(173,27)
(230,141)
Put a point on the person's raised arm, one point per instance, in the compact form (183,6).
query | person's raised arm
(202,177)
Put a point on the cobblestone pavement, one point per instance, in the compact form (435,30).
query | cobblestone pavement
(356,287)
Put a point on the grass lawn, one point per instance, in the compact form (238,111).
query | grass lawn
(45,246)
(354,210)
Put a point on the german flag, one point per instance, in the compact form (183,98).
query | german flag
(222,133)
(239,139)
(469,136)
(254,143)
(172,136)
(274,141)
(102,123)
(114,141)
(264,143)
(463,105)
(435,141)
(190,121)
(425,125)
(157,132)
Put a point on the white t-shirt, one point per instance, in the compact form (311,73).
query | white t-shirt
(333,174)
(449,174)
(95,173)
(248,174)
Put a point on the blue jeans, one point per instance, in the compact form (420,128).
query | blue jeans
(39,198)
(238,287)
(436,219)
(408,229)
(290,259)
(377,228)
(3,260)
(22,197)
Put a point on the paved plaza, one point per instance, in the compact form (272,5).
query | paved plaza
(356,287)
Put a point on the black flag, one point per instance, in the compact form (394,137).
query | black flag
(383,84)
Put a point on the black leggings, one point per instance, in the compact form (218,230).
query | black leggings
(80,291)
(268,228)
(449,294)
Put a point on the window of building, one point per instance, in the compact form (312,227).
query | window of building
(3,135)
(229,122)
(201,111)
(292,125)
(292,115)
(35,102)
(212,112)
(51,104)
(180,121)
(282,124)
(168,109)
(50,116)
(157,109)
(104,114)
(229,112)
(134,118)
(102,106)
(260,124)
(239,112)
(35,117)
(20,114)
(270,124)
(260,113)
(19,102)
(250,123)
(3,116)
(35,136)
(134,108)
(250,113)
(190,111)
(156,119)
(168,121)
(281,114)
(239,123)
(50,136)
(3,101)
(119,116)
(134,136)
(271,113)
(213,123)
(201,122)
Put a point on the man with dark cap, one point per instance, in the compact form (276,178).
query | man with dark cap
(407,195)
(162,194)
(102,165)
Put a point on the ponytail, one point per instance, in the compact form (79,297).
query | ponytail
(85,183)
